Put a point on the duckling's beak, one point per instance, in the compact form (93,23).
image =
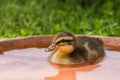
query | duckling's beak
(50,48)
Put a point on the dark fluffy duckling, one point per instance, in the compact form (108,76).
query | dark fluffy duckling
(68,49)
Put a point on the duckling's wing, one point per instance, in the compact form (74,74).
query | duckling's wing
(89,48)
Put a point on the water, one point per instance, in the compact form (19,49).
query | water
(32,64)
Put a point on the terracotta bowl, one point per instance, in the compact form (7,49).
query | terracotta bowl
(111,43)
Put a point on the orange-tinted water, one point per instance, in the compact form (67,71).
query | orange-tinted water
(33,64)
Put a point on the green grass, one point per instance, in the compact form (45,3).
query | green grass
(37,17)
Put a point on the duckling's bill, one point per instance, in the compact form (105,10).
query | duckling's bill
(50,48)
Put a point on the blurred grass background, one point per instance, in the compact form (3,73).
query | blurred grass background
(36,17)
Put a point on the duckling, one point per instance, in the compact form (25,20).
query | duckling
(68,49)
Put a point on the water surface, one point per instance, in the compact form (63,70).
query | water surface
(32,64)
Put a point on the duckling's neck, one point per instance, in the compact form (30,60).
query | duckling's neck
(60,58)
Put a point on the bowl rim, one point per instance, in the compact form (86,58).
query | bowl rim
(42,41)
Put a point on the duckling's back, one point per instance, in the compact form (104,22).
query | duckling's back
(88,49)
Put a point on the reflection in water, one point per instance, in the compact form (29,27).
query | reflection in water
(69,72)
(105,70)
(32,64)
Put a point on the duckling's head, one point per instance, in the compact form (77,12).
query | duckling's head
(64,42)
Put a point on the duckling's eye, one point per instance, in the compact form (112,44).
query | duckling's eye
(63,41)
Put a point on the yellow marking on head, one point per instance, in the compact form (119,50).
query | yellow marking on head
(61,38)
